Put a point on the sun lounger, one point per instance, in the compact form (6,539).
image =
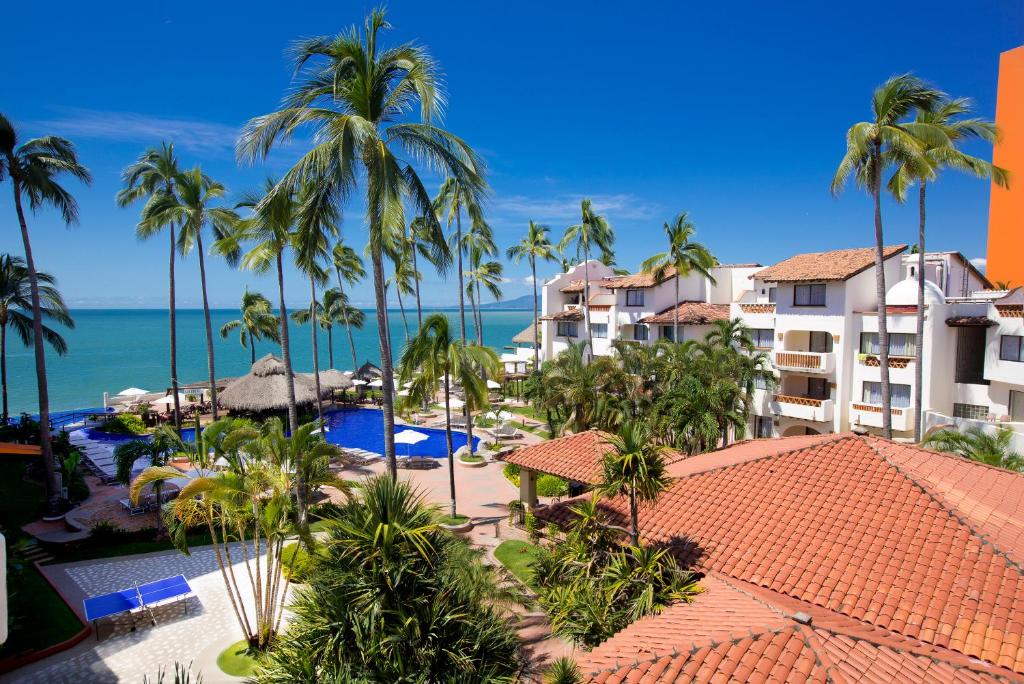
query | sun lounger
(133,509)
(506,431)
(458,421)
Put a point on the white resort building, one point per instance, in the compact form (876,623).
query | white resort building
(815,315)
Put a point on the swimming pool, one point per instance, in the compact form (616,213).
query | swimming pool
(360,428)
(187,435)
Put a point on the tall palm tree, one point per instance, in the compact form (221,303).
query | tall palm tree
(483,275)
(428,241)
(16,308)
(34,168)
(682,258)
(269,227)
(452,198)
(592,233)
(355,96)
(871,147)
(635,468)
(477,243)
(152,174)
(405,278)
(535,245)
(995,449)
(257,322)
(349,269)
(315,231)
(158,450)
(192,208)
(946,117)
(433,360)
(333,309)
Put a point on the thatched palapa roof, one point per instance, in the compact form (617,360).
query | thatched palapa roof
(368,371)
(528,336)
(264,388)
(331,380)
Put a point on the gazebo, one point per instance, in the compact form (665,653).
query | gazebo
(368,372)
(264,389)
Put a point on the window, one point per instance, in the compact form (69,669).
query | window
(820,342)
(764,338)
(567,329)
(599,330)
(809,295)
(1016,406)
(574,298)
(817,388)
(668,333)
(763,426)
(899,395)
(634,297)
(771,294)
(970,411)
(641,333)
(900,344)
(970,356)
(1010,348)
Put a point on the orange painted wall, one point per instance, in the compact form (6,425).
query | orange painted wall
(1006,207)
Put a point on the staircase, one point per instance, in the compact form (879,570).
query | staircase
(34,553)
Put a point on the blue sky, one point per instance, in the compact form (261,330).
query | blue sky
(733,111)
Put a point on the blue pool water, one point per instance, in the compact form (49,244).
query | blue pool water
(187,434)
(364,429)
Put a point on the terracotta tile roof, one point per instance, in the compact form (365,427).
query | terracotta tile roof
(637,280)
(690,313)
(906,541)
(567,315)
(839,264)
(969,322)
(574,286)
(572,457)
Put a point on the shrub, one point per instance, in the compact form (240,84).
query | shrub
(471,458)
(515,512)
(547,485)
(105,532)
(297,562)
(532,526)
(123,424)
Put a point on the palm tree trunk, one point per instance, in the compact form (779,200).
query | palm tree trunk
(252,350)
(348,325)
(883,327)
(3,368)
(387,379)
(919,338)
(173,330)
(286,357)
(330,345)
(401,308)
(634,518)
(536,329)
(316,354)
(448,442)
(416,282)
(209,327)
(675,305)
(480,316)
(586,304)
(45,444)
(462,316)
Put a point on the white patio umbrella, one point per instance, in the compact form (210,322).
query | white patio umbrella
(408,385)
(132,392)
(491,384)
(504,415)
(403,393)
(456,403)
(376,383)
(358,383)
(409,437)
(169,401)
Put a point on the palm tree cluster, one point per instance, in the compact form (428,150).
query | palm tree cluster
(258,322)
(395,598)
(695,394)
(977,444)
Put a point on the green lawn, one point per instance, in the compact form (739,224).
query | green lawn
(236,661)
(517,556)
(457,520)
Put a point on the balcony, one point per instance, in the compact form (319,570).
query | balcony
(870,415)
(804,362)
(758,308)
(804,408)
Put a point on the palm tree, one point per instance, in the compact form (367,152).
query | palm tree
(257,322)
(593,232)
(191,207)
(535,245)
(977,444)
(482,275)
(404,277)
(872,146)
(15,311)
(452,198)
(310,251)
(946,117)
(428,241)
(432,360)
(158,450)
(355,95)
(682,258)
(334,308)
(154,173)
(33,168)
(270,227)
(349,269)
(636,468)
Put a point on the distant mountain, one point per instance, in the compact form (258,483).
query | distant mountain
(524,303)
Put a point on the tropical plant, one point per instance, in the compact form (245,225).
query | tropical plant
(182,675)
(946,117)
(432,361)
(978,444)
(581,395)
(427,240)
(635,469)
(872,146)
(355,96)
(191,207)
(483,275)
(405,279)
(454,196)
(158,450)
(349,269)
(334,309)
(34,168)
(535,245)
(248,506)
(154,173)
(682,258)
(16,312)
(563,670)
(394,598)
(257,322)
(592,233)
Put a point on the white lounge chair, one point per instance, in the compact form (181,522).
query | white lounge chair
(507,431)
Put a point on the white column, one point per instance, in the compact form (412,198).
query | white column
(528,487)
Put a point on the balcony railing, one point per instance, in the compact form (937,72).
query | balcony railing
(811,362)
(763,308)
(862,413)
(805,408)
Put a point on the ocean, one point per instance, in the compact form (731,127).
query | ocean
(112,349)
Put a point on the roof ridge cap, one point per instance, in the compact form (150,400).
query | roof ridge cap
(955,457)
(837,437)
(950,511)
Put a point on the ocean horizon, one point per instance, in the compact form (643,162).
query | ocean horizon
(112,349)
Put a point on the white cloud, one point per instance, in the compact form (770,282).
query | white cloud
(567,206)
(980,263)
(192,135)
(528,281)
